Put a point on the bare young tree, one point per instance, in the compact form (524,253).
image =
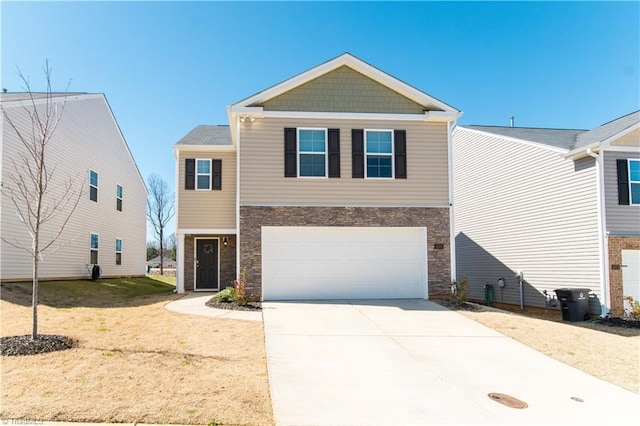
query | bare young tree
(43,202)
(160,210)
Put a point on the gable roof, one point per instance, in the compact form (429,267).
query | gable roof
(607,131)
(574,142)
(346,59)
(558,138)
(206,135)
(25,96)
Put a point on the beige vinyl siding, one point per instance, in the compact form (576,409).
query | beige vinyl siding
(343,90)
(262,180)
(201,209)
(630,139)
(87,139)
(621,220)
(518,207)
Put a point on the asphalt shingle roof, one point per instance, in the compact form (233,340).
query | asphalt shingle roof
(207,135)
(607,130)
(559,138)
(568,139)
(23,96)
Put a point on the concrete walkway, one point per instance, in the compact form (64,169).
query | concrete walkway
(412,362)
(195,304)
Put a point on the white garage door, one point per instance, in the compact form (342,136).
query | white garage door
(343,263)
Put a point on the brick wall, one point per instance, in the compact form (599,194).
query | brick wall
(436,220)
(227,260)
(616,245)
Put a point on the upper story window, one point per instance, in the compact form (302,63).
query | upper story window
(634,182)
(119,198)
(93,185)
(379,153)
(628,181)
(312,152)
(93,248)
(118,251)
(203,173)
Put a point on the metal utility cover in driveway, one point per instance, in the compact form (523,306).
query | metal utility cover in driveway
(343,262)
(413,362)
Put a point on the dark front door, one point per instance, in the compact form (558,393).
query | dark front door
(207,264)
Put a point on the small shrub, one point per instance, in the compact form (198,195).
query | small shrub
(459,291)
(226,295)
(633,310)
(240,289)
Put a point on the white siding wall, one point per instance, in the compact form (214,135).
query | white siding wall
(262,180)
(519,207)
(87,138)
(621,220)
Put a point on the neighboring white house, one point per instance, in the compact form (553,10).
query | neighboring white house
(561,206)
(108,227)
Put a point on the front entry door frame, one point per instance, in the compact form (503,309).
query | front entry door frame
(195,264)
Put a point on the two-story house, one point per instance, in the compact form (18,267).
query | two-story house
(335,183)
(560,206)
(108,226)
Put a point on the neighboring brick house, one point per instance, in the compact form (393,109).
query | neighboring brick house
(562,206)
(332,184)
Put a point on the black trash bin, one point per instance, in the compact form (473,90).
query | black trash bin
(574,303)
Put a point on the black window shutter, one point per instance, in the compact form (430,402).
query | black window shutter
(357,153)
(290,153)
(190,173)
(216,174)
(623,182)
(334,153)
(400,149)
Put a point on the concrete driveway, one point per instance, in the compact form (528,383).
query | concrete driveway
(412,362)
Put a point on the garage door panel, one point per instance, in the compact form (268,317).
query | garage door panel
(343,262)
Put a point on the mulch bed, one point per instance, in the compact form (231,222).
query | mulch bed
(464,306)
(233,306)
(620,322)
(26,345)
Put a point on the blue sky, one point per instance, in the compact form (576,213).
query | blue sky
(167,67)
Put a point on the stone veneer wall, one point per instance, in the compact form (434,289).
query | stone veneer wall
(227,260)
(436,220)
(616,245)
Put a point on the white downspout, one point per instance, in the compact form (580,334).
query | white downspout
(237,196)
(605,305)
(452,237)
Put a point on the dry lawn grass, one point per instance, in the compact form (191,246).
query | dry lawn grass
(609,353)
(136,361)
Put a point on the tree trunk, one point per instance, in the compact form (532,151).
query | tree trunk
(161,253)
(34,298)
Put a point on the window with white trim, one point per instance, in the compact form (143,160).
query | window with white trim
(118,251)
(93,249)
(203,173)
(634,182)
(119,198)
(312,152)
(93,185)
(378,153)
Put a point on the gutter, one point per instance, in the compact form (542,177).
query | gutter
(605,305)
(452,238)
